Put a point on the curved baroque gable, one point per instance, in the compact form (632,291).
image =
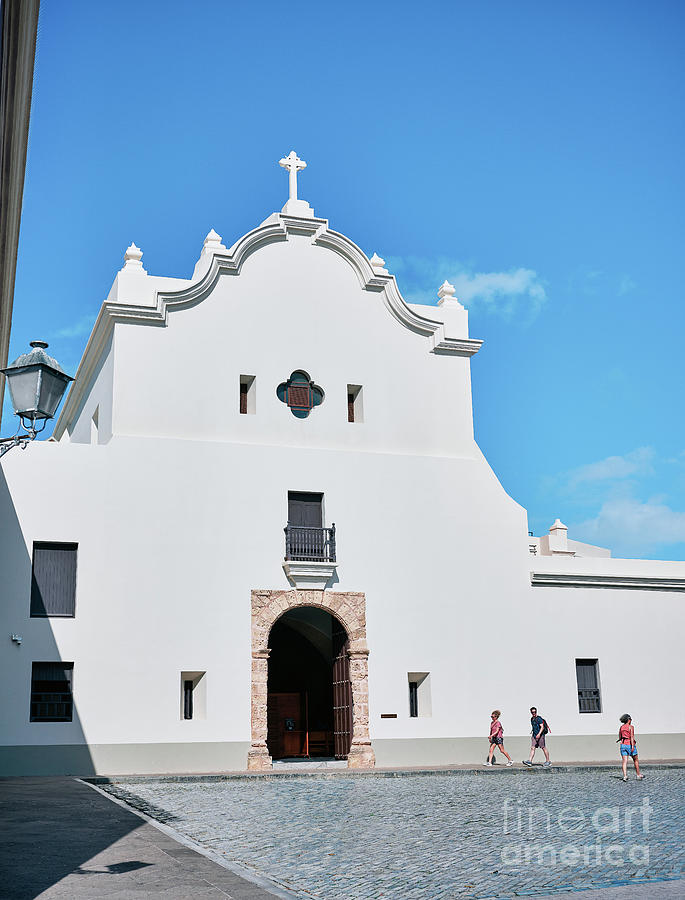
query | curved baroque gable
(276,228)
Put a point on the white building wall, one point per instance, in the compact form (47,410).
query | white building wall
(292,306)
(98,400)
(180,516)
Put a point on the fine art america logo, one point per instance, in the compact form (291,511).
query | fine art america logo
(610,836)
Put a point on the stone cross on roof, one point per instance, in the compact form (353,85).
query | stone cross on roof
(293,164)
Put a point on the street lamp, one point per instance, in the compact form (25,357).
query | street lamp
(37,384)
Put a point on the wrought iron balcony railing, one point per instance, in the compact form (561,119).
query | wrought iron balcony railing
(310,544)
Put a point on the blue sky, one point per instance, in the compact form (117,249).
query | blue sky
(531,153)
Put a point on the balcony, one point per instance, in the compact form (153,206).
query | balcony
(307,544)
(309,556)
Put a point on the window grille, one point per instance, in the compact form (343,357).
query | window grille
(300,394)
(51,693)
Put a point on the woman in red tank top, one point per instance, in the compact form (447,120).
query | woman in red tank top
(626,736)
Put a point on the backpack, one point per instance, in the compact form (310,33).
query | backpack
(545,727)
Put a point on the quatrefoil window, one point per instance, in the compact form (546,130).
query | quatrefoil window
(300,393)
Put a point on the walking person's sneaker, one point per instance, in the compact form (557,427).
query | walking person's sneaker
(487,763)
(640,777)
(526,762)
(547,764)
(625,777)
(510,763)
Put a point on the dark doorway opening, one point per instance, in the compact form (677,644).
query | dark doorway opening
(309,708)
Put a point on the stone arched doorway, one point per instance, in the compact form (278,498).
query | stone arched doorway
(349,610)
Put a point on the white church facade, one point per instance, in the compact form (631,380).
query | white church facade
(264,530)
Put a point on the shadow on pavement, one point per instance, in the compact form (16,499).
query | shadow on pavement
(50,827)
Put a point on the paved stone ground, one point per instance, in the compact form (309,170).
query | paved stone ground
(61,840)
(426,837)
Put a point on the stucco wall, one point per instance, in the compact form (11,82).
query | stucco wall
(181,514)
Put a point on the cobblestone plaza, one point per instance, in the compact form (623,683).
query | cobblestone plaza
(428,836)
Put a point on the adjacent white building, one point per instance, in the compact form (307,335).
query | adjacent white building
(264,529)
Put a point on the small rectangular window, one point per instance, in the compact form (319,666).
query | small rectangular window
(413,699)
(247,395)
(51,692)
(355,410)
(420,705)
(587,677)
(187,698)
(193,695)
(53,579)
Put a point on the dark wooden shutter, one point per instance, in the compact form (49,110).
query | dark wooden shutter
(53,579)
(342,693)
(305,509)
(350,407)
(243,398)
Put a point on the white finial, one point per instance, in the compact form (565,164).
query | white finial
(211,246)
(557,539)
(212,242)
(133,253)
(213,236)
(132,258)
(446,290)
(378,264)
(446,293)
(293,164)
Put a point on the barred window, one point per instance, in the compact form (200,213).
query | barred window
(587,677)
(51,692)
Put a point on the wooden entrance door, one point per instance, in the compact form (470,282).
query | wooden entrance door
(287,725)
(342,693)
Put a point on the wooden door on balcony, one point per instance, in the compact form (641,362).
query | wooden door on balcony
(342,693)
(305,509)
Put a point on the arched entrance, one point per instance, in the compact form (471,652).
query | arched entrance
(309,700)
(347,618)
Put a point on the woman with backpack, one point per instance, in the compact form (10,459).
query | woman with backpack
(626,737)
(496,738)
(539,728)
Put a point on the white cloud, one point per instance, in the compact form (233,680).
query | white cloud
(626,285)
(500,289)
(79,328)
(631,526)
(497,292)
(637,462)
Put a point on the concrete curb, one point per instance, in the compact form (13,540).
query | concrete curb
(382,773)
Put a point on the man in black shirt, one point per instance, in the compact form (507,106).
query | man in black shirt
(538,731)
